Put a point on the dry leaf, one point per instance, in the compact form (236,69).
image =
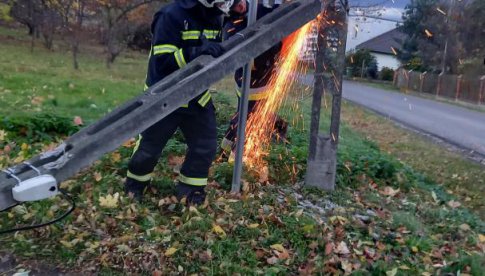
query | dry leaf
(342,248)
(2,134)
(78,121)
(481,238)
(115,157)
(272,260)
(465,227)
(329,248)
(454,204)
(109,201)
(169,252)
(97,176)
(346,266)
(389,191)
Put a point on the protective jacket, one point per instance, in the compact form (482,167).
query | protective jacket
(176,30)
(264,64)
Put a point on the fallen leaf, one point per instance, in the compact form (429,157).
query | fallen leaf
(115,157)
(342,248)
(218,230)
(2,134)
(278,247)
(272,260)
(389,191)
(329,248)
(66,244)
(169,252)
(392,272)
(253,225)
(481,237)
(338,219)
(97,176)
(346,266)
(78,121)
(465,227)
(454,204)
(109,201)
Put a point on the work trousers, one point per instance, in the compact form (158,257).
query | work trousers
(198,126)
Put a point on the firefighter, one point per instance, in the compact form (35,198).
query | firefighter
(182,31)
(261,72)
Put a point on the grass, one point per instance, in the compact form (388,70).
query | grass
(387,215)
(457,175)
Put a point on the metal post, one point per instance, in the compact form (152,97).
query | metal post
(243,111)
(329,70)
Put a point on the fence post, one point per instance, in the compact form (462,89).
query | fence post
(421,81)
(438,87)
(408,80)
(395,76)
(458,87)
(482,88)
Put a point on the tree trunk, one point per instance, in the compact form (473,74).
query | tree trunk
(75,51)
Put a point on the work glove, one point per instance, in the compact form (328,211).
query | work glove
(206,48)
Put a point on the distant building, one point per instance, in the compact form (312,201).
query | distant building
(384,48)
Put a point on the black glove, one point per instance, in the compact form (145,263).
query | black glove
(207,48)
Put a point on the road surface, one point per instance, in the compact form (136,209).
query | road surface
(459,126)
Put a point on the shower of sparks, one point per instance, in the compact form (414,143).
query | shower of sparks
(428,33)
(260,124)
(394,51)
(441,11)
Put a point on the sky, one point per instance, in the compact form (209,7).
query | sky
(383,16)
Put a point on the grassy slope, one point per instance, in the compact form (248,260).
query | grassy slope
(367,225)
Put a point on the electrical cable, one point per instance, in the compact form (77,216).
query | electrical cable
(24,228)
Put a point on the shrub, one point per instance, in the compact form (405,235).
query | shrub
(387,74)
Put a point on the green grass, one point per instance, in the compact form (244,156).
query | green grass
(265,231)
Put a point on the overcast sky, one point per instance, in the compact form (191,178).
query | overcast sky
(383,15)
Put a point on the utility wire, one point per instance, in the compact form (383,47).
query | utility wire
(24,228)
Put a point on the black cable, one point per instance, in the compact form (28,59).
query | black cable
(68,197)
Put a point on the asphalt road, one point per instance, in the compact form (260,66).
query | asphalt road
(456,125)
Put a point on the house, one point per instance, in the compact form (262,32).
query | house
(384,48)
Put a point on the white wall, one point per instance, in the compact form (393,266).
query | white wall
(386,61)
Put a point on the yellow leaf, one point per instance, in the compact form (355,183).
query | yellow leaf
(338,219)
(253,225)
(414,249)
(24,146)
(465,227)
(109,201)
(481,237)
(218,230)
(278,247)
(115,157)
(2,134)
(404,267)
(170,251)
(67,244)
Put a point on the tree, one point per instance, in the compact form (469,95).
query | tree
(120,19)
(361,64)
(442,33)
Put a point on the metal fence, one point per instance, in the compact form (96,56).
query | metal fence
(459,87)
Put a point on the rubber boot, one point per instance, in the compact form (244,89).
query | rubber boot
(195,195)
(135,187)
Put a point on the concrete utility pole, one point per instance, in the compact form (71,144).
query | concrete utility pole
(329,70)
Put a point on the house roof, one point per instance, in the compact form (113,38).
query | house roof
(384,43)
